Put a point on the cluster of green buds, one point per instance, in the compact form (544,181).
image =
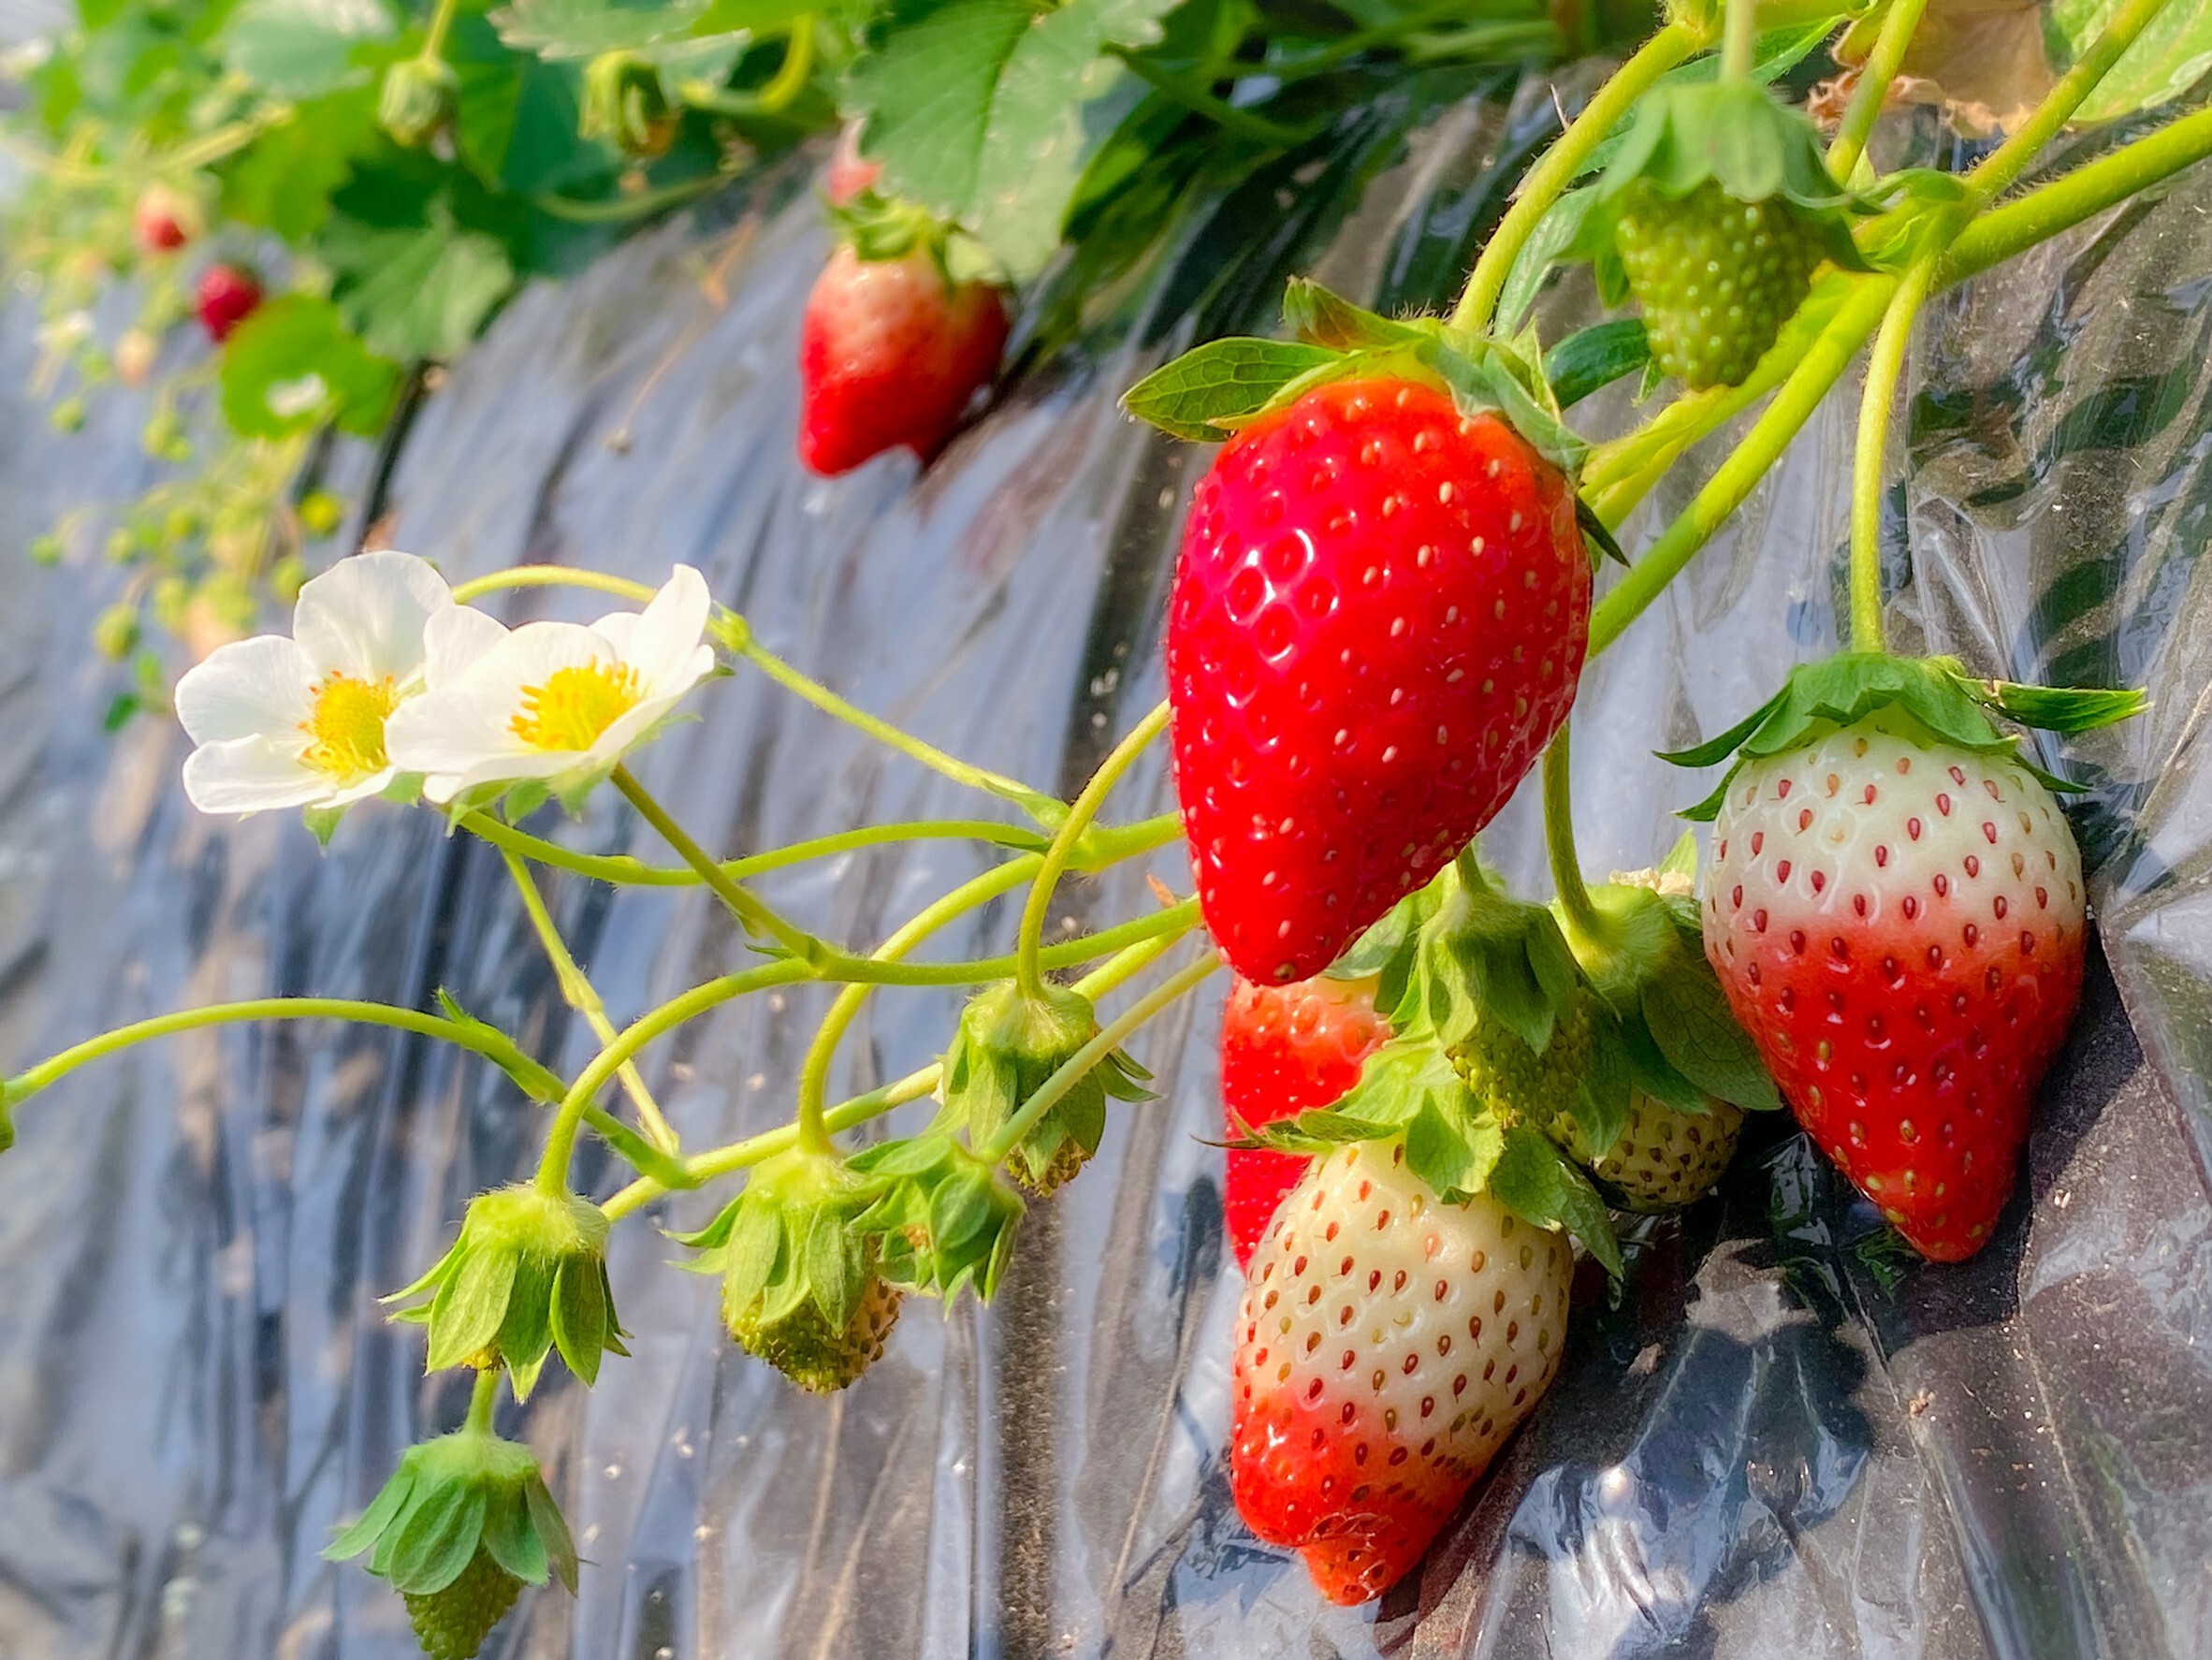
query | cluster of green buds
(527,1276)
(625,104)
(419,99)
(464,1523)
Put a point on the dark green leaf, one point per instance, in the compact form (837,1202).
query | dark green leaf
(1690,1021)
(292,367)
(303,48)
(1224,380)
(1594,358)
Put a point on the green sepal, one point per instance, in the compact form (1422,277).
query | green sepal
(1323,318)
(625,104)
(322,823)
(448,1497)
(943,1220)
(1007,1044)
(525,1277)
(1737,135)
(1206,395)
(1538,1183)
(798,1268)
(537,1081)
(880,227)
(1479,952)
(1936,692)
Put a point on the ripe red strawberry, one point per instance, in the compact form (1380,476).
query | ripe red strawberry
(1898,923)
(228,294)
(1377,622)
(850,172)
(158,221)
(890,353)
(1286,1049)
(1391,1343)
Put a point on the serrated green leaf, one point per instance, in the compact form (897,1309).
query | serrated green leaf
(293,366)
(421,292)
(2167,58)
(560,29)
(282,182)
(1690,1021)
(1324,318)
(303,48)
(1222,381)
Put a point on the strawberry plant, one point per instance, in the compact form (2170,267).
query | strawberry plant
(1392,576)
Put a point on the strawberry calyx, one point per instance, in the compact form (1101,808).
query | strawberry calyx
(1729,132)
(1935,692)
(1464,967)
(801,1287)
(881,228)
(942,1218)
(527,1278)
(1009,1041)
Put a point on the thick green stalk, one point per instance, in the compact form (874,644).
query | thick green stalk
(493,1044)
(703,1167)
(1740,39)
(814,1070)
(583,996)
(434,45)
(1583,919)
(1562,164)
(483,1398)
(2005,164)
(1884,368)
(1110,1036)
(1028,942)
(1875,81)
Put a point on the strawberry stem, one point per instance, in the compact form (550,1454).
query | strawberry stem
(1884,367)
(1057,856)
(1562,163)
(1739,41)
(434,43)
(2004,164)
(1586,926)
(1873,93)
(756,916)
(483,1398)
(578,992)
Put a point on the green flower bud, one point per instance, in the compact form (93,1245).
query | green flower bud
(67,415)
(1006,1045)
(800,1285)
(47,549)
(321,513)
(121,547)
(625,104)
(419,100)
(527,1275)
(115,634)
(464,1523)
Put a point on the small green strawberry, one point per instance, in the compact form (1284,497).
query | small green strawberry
(801,1283)
(1008,1043)
(464,1523)
(527,1276)
(1714,213)
(1663,1159)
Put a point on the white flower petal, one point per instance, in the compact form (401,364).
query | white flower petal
(456,640)
(251,775)
(364,615)
(498,769)
(260,686)
(667,633)
(451,731)
(629,730)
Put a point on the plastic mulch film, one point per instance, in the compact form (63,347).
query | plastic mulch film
(1781,1441)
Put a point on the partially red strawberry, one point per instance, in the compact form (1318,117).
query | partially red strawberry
(228,294)
(1377,622)
(1286,1049)
(850,172)
(891,351)
(1389,1344)
(159,220)
(1898,919)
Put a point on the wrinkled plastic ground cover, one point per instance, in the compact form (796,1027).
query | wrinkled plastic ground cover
(1782,1440)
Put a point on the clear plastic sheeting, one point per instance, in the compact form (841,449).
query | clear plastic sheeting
(1779,1440)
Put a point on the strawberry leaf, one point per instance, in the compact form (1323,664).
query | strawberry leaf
(1327,319)
(1201,394)
(1594,358)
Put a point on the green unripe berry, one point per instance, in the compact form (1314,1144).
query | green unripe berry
(419,100)
(115,634)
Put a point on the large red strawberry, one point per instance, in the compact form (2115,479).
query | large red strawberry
(1286,1049)
(1377,622)
(1389,1342)
(228,294)
(890,353)
(1897,920)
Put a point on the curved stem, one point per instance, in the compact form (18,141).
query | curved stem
(2004,164)
(814,1069)
(1884,367)
(1110,1036)
(1740,39)
(583,996)
(1583,918)
(550,576)
(1562,164)
(434,45)
(755,915)
(488,1041)
(1876,77)
(1737,477)
(1085,807)
(2058,205)
(703,1166)
(1196,96)
(623,871)
(483,1398)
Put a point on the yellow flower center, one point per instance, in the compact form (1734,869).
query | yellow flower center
(576,704)
(347,725)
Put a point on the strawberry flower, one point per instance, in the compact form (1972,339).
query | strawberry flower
(302,721)
(550,703)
